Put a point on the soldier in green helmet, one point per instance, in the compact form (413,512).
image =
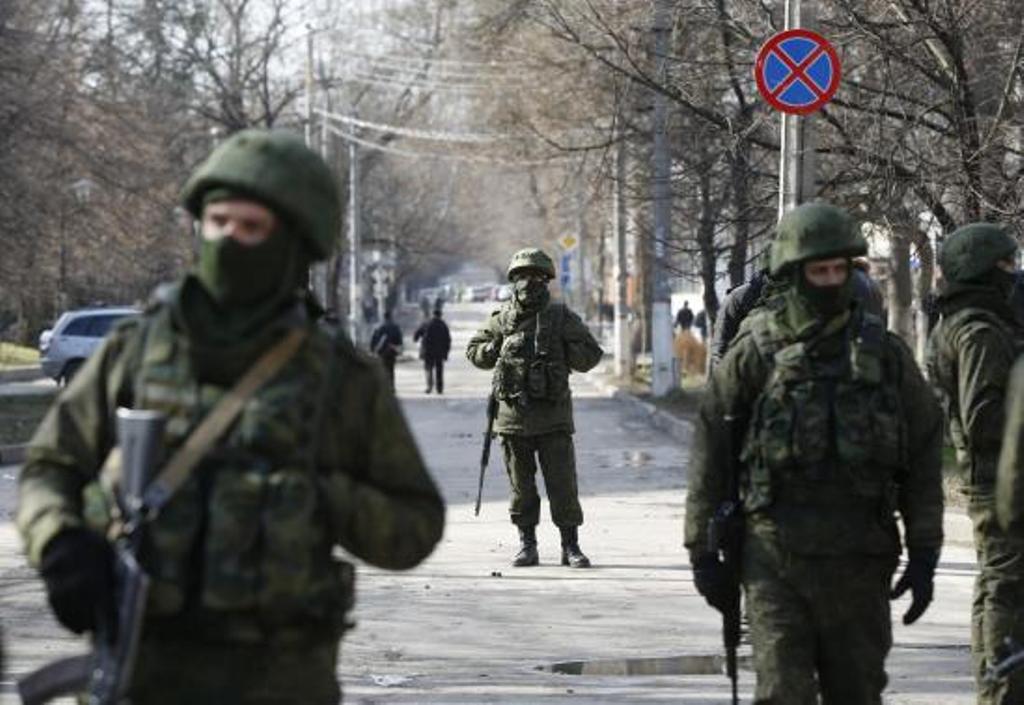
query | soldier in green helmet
(532,344)
(247,602)
(826,427)
(970,357)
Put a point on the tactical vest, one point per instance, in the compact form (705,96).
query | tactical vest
(980,468)
(531,363)
(249,532)
(825,442)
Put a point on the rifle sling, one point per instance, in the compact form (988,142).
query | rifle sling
(180,466)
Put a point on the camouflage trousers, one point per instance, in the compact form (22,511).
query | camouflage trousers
(997,611)
(818,625)
(175,671)
(557,458)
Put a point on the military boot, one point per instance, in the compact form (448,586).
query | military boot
(571,554)
(527,547)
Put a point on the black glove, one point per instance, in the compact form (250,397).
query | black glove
(78,568)
(713,581)
(919,578)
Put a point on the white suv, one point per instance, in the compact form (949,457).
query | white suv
(64,348)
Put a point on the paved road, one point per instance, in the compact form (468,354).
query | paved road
(466,628)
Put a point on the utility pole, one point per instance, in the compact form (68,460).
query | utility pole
(796,161)
(355,298)
(309,86)
(320,278)
(581,237)
(623,339)
(662,378)
(318,271)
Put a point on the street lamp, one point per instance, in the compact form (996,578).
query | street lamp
(82,190)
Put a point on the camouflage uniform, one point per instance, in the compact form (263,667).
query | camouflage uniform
(247,602)
(532,350)
(836,431)
(971,353)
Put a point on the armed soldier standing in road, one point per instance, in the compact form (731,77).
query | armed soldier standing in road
(971,354)
(835,430)
(247,604)
(532,344)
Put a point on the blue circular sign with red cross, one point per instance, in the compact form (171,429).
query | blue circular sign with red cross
(797,71)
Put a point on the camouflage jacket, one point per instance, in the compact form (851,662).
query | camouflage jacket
(532,357)
(252,530)
(970,354)
(836,430)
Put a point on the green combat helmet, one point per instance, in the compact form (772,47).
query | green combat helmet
(532,258)
(275,168)
(815,231)
(973,250)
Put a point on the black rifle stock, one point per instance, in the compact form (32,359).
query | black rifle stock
(485,455)
(105,674)
(725,539)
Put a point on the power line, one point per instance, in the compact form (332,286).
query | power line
(417,154)
(427,66)
(418,59)
(436,135)
(370,79)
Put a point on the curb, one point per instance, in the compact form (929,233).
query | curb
(12,454)
(20,374)
(679,429)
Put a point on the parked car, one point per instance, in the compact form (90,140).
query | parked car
(478,293)
(64,348)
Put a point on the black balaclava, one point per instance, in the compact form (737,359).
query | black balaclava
(235,302)
(825,301)
(530,291)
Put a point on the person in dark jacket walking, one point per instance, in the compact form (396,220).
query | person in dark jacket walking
(435,343)
(386,343)
(684,317)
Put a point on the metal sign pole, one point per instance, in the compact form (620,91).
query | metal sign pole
(796,161)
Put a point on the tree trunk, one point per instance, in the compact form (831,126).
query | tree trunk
(900,289)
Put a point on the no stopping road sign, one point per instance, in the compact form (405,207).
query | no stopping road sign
(797,71)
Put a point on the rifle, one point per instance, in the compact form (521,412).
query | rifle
(106,673)
(485,456)
(725,538)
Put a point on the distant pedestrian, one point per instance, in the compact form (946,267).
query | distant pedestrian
(701,321)
(386,343)
(684,317)
(435,343)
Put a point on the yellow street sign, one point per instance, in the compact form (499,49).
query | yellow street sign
(568,242)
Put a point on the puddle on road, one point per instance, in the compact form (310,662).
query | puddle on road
(686,665)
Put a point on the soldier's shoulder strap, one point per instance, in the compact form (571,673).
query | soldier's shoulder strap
(972,316)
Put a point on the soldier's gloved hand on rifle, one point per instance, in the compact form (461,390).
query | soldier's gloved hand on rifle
(712,580)
(77,566)
(919,578)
